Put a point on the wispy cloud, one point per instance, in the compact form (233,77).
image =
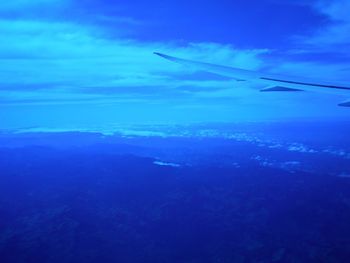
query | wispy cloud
(76,59)
(51,58)
(334,35)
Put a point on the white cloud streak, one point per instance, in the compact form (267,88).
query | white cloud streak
(68,57)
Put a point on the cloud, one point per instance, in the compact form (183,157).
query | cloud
(289,166)
(337,10)
(316,70)
(160,163)
(50,60)
(323,54)
(344,175)
(298,147)
(334,35)
(23,5)
(73,59)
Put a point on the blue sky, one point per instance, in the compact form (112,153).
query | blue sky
(70,62)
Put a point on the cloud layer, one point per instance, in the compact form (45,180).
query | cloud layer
(60,58)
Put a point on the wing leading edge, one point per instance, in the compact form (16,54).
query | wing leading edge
(276,82)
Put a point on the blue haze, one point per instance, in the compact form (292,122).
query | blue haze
(109,153)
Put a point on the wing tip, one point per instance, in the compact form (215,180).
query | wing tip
(170,58)
(161,55)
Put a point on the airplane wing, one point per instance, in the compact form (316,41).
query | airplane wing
(273,81)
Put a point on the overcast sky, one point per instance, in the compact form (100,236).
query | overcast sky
(91,62)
